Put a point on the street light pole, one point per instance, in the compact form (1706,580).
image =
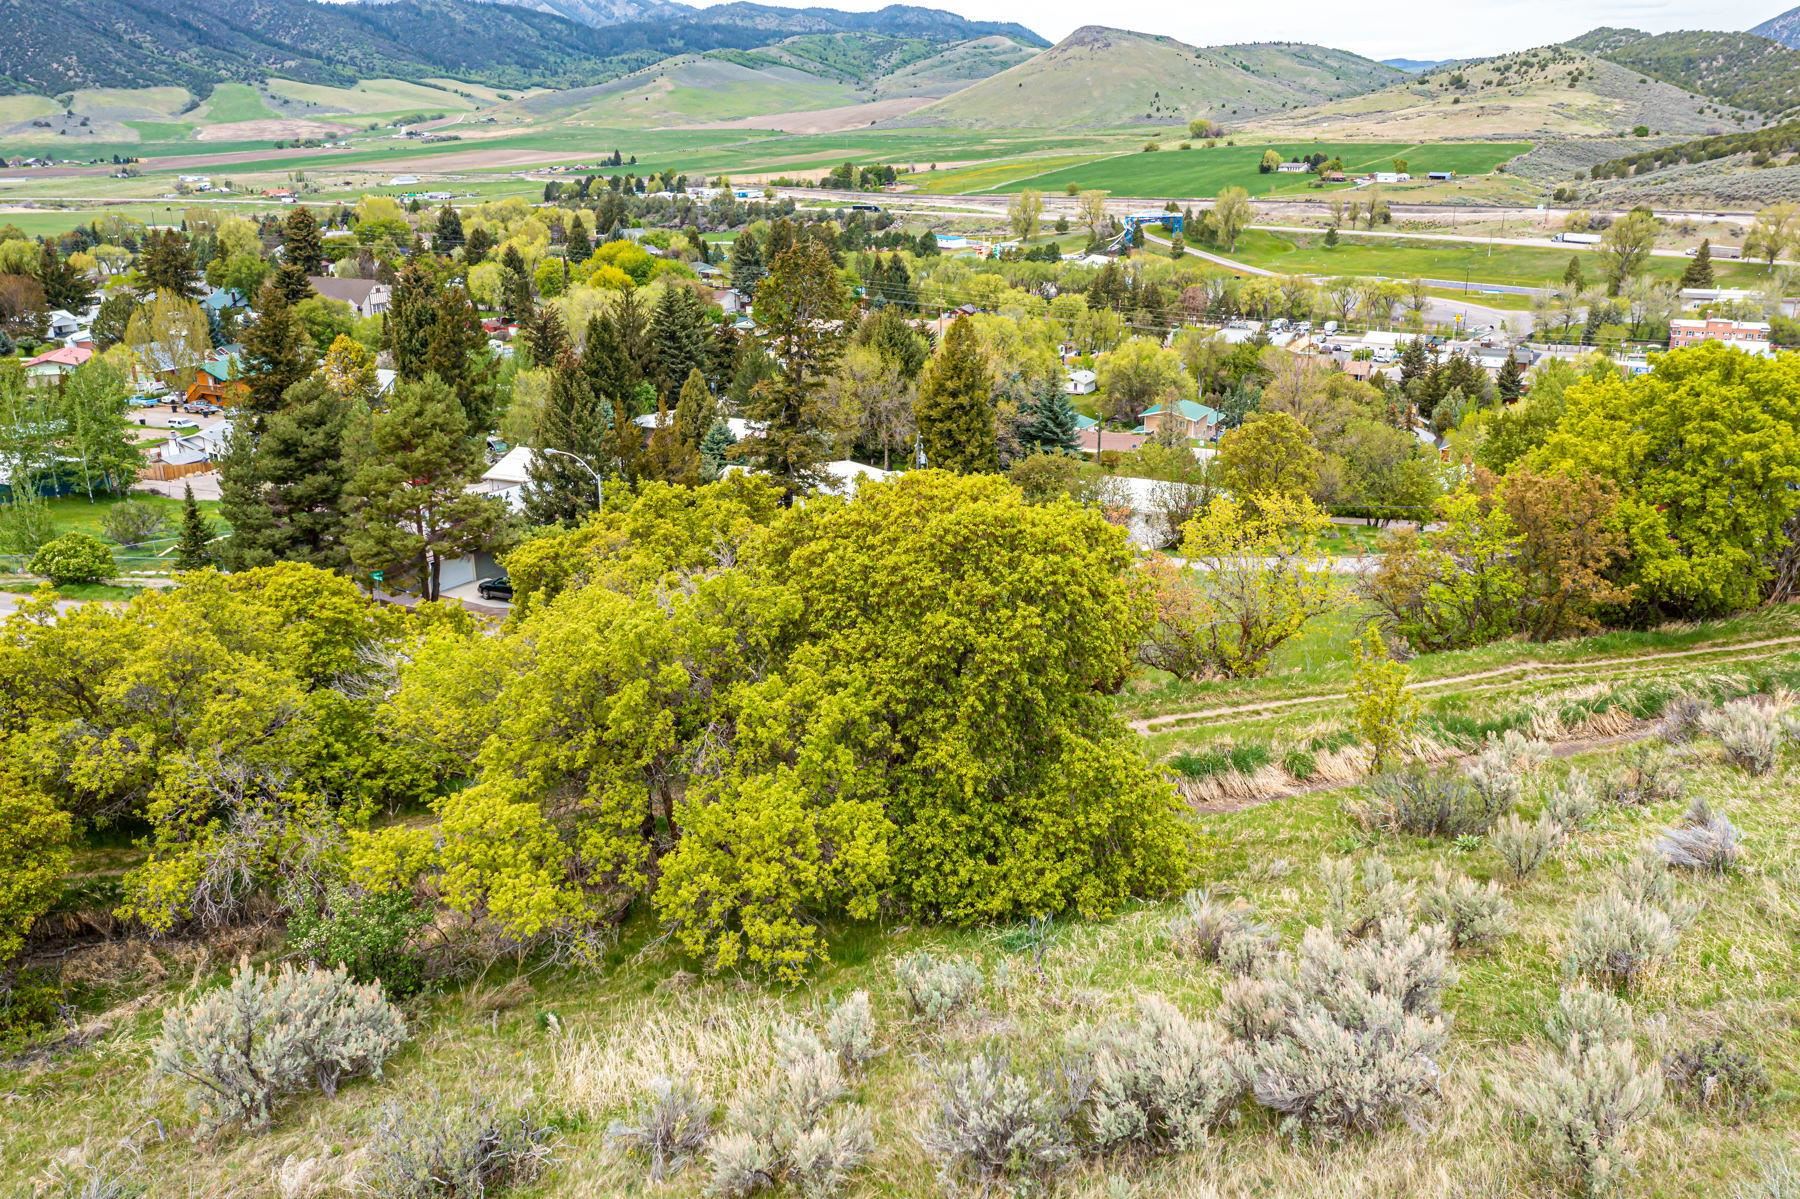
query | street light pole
(599,491)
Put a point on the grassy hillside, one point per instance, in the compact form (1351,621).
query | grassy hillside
(579,1046)
(1107,77)
(695,88)
(1740,69)
(1551,90)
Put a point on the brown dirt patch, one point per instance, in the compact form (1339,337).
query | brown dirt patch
(269,130)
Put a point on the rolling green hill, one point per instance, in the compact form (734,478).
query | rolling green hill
(1739,69)
(1551,90)
(1106,77)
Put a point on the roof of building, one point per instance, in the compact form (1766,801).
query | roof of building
(62,356)
(350,291)
(1191,410)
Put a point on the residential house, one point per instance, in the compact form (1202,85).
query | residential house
(1190,418)
(219,380)
(61,324)
(1292,168)
(223,299)
(1092,439)
(1749,336)
(52,366)
(366,297)
(1081,383)
(185,454)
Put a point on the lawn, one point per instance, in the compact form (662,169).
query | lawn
(1398,258)
(1202,172)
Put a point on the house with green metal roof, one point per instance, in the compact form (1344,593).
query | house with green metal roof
(1192,420)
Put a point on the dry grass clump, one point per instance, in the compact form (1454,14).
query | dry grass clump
(1648,777)
(1213,931)
(1715,1076)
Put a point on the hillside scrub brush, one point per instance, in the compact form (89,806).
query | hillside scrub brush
(1616,941)
(453,1150)
(1704,840)
(1525,845)
(1572,802)
(1473,914)
(265,1034)
(1582,1108)
(668,1129)
(991,1125)
(935,987)
(1159,1080)
(1359,899)
(1749,732)
(850,1031)
(1648,777)
(1583,1018)
(1498,771)
(789,1128)
(1422,802)
(1213,931)
(1717,1077)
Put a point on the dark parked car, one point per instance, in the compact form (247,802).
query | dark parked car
(497,588)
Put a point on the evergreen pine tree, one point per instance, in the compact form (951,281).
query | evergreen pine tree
(1331,238)
(411,315)
(580,245)
(301,244)
(64,286)
(715,451)
(194,550)
(721,357)
(515,285)
(449,232)
(1511,383)
(479,243)
(166,265)
(799,303)
(546,337)
(747,268)
(282,490)
(457,354)
(574,419)
(695,411)
(955,406)
(1050,423)
(677,338)
(1699,272)
(277,353)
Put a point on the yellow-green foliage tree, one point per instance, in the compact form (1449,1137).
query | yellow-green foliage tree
(1253,586)
(1705,452)
(893,703)
(1384,709)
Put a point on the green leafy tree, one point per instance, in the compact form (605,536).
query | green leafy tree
(34,842)
(166,266)
(1626,246)
(1230,214)
(410,507)
(955,405)
(1385,710)
(73,558)
(95,435)
(447,235)
(1705,452)
(1271,453)
(1138,375)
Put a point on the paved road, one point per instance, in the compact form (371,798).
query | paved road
(9,603)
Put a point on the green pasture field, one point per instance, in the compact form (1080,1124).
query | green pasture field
(232,102)
(1205,172)
(1527,266)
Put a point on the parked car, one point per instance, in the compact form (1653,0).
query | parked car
(497,588)
(143,401)
(202,408)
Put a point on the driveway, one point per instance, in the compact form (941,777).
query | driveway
(206,486)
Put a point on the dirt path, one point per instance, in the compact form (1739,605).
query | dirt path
(1154,724)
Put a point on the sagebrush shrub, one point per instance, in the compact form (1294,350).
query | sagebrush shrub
(1424,803)
(1704,840)
(785,1130)
(264,1035)
(1359,898)
(1648,777)
(1498,771)
(453,1150)
(1616,940)
(1572,802)
(89,1180)
(1472,913)
(1582,1108)
(1777,1178)
(1359,1033)
(1217,932)
(990,1125)
(1749,732)
(1524,846)
(935,987)
(669,1128)
(1583,1018)
(1681,718)
(1715,1076)
(1256,1008)
(850,1030)
(1159,1080)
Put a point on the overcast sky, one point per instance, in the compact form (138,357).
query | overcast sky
(1377,28)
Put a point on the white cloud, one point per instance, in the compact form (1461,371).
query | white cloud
(1377,28)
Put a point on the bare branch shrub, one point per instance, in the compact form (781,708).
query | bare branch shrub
(1716,1077)
(1216,932)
